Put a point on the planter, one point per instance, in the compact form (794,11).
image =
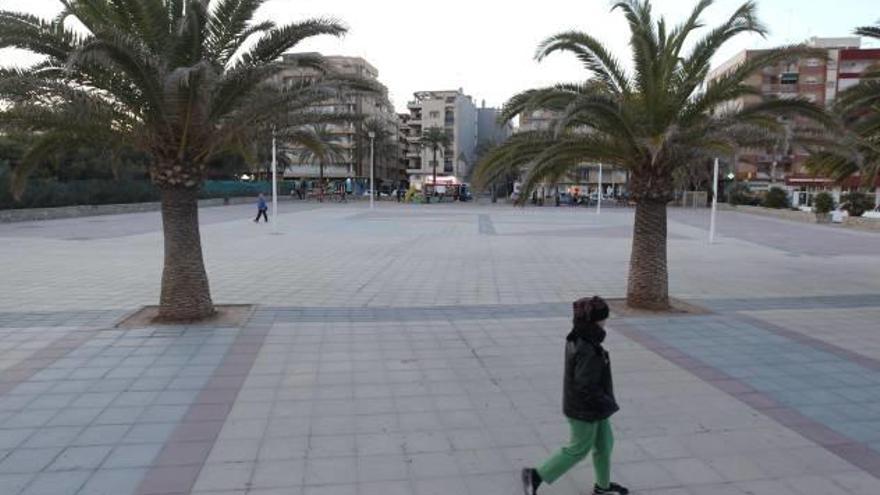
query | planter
(823,217)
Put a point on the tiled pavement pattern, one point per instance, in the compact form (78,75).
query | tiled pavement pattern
(418,351)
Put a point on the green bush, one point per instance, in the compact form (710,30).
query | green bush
(48,193)
(740,194)
(776,198)
(857,203)
(823,203)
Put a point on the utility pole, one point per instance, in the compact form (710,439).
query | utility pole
(274,184)
(372,168)
(714,203)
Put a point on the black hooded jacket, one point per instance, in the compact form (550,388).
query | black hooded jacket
(588,393)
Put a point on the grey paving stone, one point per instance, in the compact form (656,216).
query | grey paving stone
(132,456)
(113,482)
(15,483)
(60,483)
(279,474)
(28,460)
(80,458)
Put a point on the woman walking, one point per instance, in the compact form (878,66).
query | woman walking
(588,401)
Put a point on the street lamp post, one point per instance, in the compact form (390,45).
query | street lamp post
(274,184)
(599,193)
(714,203)
(372,168)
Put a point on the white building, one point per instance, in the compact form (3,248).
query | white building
(456,113)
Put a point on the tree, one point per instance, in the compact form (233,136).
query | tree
(320,146)
(182,80)
(434,138)
(650,120)
(855,150)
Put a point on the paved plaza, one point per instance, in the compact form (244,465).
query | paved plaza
(417,349)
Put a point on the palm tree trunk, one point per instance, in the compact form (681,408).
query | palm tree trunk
(648,286)
(185,293)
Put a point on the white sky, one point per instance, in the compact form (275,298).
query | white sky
(487,46)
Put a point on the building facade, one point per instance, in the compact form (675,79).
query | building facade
(585,179)
(812,78)
(489,130)
(352,139)
(456,113)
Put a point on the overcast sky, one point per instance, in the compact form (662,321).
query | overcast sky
(487,46)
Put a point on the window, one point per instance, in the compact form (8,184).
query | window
(434,114)
(789,78)
(813,62)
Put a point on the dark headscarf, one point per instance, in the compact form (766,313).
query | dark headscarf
(587,313)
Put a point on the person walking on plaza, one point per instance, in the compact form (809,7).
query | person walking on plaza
(588,401)
(262,208)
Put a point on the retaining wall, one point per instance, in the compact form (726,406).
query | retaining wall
(871,224)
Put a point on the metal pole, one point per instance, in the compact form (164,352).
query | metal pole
(714,203)
(372,170)
(274,184)
(599,195)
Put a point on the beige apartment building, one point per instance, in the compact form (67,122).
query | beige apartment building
(355,160)
(815,79)
(456,113)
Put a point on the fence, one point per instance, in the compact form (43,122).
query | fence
(41,193)
(692,199)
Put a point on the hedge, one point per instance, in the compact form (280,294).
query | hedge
(42,193)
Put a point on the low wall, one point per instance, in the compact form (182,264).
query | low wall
(785,214)
(31,214)
(870,224)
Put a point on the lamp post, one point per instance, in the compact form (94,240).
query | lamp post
(372,168)
(274,184)
(714,203)
(599,193)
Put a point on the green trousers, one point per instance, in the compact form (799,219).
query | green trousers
(594,436)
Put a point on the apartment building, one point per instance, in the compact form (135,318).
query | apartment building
(815,79)
(584,179)
(456,113)
(489,130)
(354,160)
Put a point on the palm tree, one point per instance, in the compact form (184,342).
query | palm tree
(434,138)
(855,151)
(319,146)
(182,80)
(650,120)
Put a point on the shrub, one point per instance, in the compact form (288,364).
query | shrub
(741,195)
(776,198)
(857,203)
(47,193)
(823,203)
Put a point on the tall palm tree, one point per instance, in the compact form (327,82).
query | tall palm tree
(650,120)
(182,80)
(319,146)
(434,139)
(855,151)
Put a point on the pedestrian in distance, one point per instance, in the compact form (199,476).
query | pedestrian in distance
(262,208)
(588,401)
